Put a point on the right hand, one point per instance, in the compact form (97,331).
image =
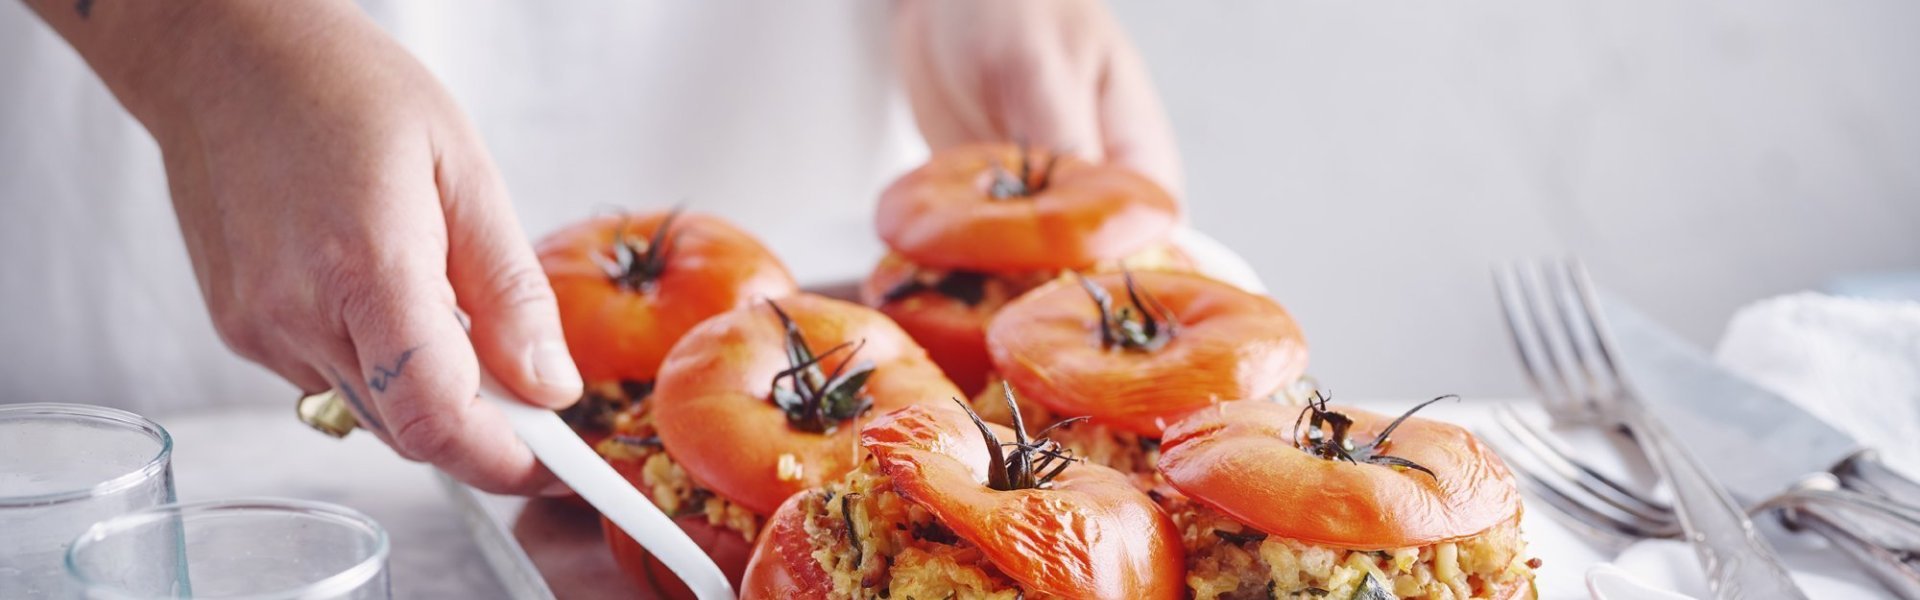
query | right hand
(341,215)
(1060,74)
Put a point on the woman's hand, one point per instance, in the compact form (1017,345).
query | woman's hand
(1054,73)
(342,215)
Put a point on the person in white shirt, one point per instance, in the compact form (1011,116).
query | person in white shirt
(342,214)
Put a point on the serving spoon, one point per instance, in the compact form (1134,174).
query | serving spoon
(569,458)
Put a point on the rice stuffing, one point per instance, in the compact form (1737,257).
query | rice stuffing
(873,543)
(1229,561)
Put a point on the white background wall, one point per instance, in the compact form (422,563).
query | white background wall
(1374,159)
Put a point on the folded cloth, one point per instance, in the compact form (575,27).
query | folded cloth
(1670,565)
(1853,362)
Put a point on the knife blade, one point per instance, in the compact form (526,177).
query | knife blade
(564,453)
(1757,442)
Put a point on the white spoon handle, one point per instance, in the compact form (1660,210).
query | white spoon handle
(572,461)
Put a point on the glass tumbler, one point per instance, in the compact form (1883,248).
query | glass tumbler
(257,549)
(64,467)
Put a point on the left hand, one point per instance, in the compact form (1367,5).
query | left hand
(1059,74)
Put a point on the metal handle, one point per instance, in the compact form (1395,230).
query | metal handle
(1879,534)
(1738,563)
(1865,473)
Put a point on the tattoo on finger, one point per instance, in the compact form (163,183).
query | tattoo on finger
(385,376)
(367,418)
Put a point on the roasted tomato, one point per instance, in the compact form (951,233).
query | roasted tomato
(981,224)
(761,402)
(1413,507)
(1004,208)
(948,311)
(782,565)
(945,509)
(948,315)
(629,286)
(1139,350)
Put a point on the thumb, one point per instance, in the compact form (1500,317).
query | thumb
(515,320)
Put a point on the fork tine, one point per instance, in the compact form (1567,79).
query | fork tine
(1550,327)
(1593,518)
(1546,448)
(1597,328)
(1531,343)
(1573,322)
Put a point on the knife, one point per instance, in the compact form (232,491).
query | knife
(1741,421)
(594,480)
(1763,446)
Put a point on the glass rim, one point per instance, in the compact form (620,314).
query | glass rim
(114,416)
(345,580)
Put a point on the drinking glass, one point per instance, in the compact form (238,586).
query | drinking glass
(64,467)
(257,549)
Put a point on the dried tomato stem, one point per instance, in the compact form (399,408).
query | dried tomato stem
(1025,184)
(1145,326)
(636,263)
(1327,436)
(1018,469)
(814,400)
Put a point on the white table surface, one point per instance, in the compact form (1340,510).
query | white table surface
(271,453)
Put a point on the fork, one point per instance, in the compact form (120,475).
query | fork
(1567,354)
(1865,526)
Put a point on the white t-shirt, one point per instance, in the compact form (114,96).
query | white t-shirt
(780,116)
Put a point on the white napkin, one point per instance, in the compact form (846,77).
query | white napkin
(1671,565)
(1853,362)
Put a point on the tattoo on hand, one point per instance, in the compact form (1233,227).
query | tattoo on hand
(84,7)
(384,376)
(367,417)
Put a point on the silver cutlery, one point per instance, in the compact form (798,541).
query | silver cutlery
(1772,455)
(1877,533)
(1567,354)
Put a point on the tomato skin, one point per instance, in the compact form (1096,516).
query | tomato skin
(621,334)
(1231,345)
(652,578)
(1090,534)
(1239,458)
(712,409)
(782,566)
(941,215)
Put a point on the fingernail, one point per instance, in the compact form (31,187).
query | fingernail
(559,489)
(553,368)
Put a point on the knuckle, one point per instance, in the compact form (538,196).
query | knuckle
(345,286)
(430,436)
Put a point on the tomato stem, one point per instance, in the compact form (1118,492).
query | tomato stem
(1032,463)
(1327,435)
(1145,326)
(637,263)
(1007,186)
(815,400)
